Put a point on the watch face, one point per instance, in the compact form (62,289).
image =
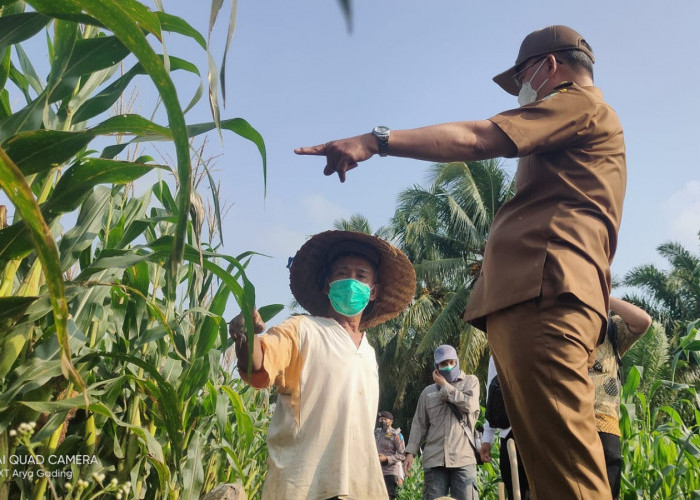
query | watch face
(381,129)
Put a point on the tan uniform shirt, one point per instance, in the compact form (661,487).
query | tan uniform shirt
(321,437)
(566,211)
(446,443)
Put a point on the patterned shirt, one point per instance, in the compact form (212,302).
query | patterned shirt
(604,377)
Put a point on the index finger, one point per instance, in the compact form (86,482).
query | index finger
(319,150)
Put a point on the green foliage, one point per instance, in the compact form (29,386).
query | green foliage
(111,329)
(661,448)
(671,296)
(412,487)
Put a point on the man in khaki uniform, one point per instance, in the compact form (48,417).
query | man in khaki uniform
(390,449)
(543,289)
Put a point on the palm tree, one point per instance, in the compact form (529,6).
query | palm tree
(670,296)
(443,229)
(359,223)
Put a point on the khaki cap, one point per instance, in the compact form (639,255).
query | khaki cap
(395,274)
(539,43)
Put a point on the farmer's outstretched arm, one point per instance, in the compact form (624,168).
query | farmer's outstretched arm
(446,142)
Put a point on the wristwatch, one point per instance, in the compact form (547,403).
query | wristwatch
(382,134)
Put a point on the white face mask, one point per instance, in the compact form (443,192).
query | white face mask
(527,94)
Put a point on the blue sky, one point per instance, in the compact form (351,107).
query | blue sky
(297,75)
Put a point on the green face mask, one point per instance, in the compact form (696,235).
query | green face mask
(349,297)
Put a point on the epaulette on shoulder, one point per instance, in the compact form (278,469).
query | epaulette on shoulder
(562,88)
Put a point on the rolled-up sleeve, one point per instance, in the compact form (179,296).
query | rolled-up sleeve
(282,362)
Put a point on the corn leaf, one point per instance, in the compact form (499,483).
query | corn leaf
(193,473)
(40,150)
(12,181)
(94,54)
(166,398)
(80,178)
(71,190)
(82,235)
(109,95)
(175,24)
(229,36)
(244,423)
(19,27)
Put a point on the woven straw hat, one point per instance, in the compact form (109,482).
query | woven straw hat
(395,274)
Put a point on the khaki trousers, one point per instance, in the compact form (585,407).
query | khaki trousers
(542,349)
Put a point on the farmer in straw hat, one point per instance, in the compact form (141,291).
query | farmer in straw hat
(320,440)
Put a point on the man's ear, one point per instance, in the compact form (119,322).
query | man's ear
(374,293)
(552,64)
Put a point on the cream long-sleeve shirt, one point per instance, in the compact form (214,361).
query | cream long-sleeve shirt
(321,436)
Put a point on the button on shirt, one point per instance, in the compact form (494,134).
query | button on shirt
(446,443)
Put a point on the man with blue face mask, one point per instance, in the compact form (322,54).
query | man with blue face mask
(321,442)
(543,287)
(449,459)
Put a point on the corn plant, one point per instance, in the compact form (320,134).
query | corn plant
(111,331)
(661,443)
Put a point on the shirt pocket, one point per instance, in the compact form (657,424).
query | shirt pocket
(434,406)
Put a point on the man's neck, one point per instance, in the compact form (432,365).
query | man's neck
(351,324)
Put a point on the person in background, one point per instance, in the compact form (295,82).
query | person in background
(321,436)
(504,459)
(626,325)
(390,447)
(401,476)
(449,460)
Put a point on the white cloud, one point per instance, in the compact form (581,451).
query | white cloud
(321,211)
(682,210)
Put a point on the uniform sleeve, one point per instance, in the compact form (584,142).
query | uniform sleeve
(281,358)
(563,119)
(419,427)
(467,399)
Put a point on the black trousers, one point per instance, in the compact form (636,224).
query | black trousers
(613,461)
(507,476)
(391,482)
